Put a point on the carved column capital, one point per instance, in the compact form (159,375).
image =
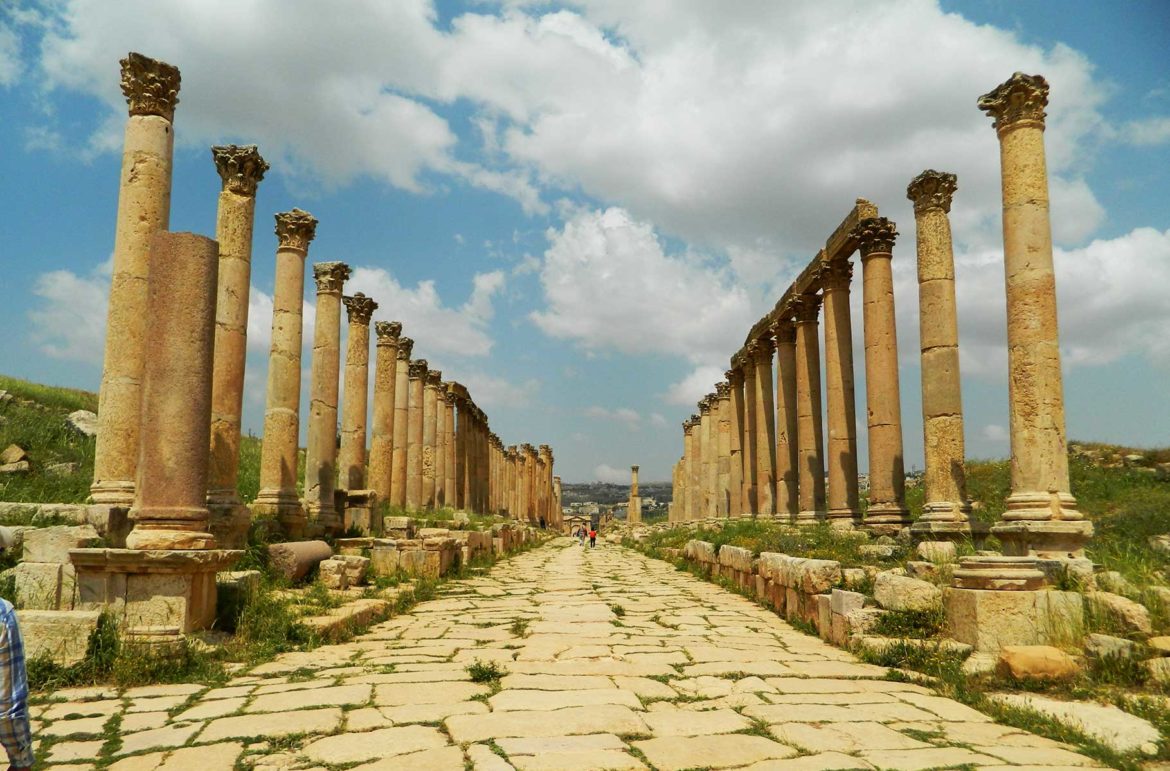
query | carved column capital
(295,229)
(388,332)
(806,308)
(417,369)
(836,275)
(705,404)
(784,331)
(405,346)
(932,190)
(1018,101)
(762,347)
(734,377)
(448,395)
(434,378)
(875,235)
(241,168)
(151,86)
(361,310)
(330,276)
(723,390)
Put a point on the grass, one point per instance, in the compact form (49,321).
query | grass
(485,671)
(45,436)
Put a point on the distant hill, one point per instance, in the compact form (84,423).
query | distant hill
(608,493)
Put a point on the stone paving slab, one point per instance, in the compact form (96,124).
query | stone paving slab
(687,675)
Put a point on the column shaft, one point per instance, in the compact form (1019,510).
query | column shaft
(430,439)
(809,431)
(765,428)
(787,455)
(735,506)
(381,464)
(844,506)
(401,423)
(321,447)
(414,435)
(723,450)
(751,462)
(448,404)
(351,460)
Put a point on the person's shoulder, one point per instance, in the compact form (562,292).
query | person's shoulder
(6,608)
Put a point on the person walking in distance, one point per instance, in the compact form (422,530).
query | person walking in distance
(592,538)
(15,734)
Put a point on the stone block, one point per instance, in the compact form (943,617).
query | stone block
(53,544)
(1127,614)
(38,585)
(354,546)
(332,573)
(356,568)
(1039,662)
(1102,646)
(894,592)
(384,560)
(12,536)
(736,558)
(989,620)
(843,602)
(232,591)
(824,606)
(938,551)
(861,622)
(60,635)
(398,527)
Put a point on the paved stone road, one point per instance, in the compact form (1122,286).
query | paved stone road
(615,661)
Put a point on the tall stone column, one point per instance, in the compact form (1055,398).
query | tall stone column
(707,474)
(529,483)
(448,408)
(381,465)
(546,455)
(398,477)
(461,431)
(844,505)
(887,511)
(751,462)
(809,432)
(352,459)
(723,450)
(414,435)
(634,504)
(787,455)
(946,512)
(510,481)
(765,427)
(430,438)
(686,472)
(170,506)
(151,88)
(278,453)
(735,444)
(321,447)
(1042,518)
(240,169)
(557,503)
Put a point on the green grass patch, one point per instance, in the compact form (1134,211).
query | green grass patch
(485,671)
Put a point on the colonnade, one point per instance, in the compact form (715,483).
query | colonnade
(775,449)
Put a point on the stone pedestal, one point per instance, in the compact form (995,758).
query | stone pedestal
(351,460)
(154,594)
(240,169)
(1041,517)
(278,497)
(844,507)
(321,445)
(401,422)
(809,432)
(886,513)
(361,512)
(151,88)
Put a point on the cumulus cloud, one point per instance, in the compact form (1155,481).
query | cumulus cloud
(694,386)
(607,473)
(623,415)
(10,66)
(1149,131)
(69,321)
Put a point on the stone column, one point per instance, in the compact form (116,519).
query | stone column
(240,169)
(151,88)
(887,511)
(844,505)
(809,436)
(321,446)
(414,435)
(448,408)
(765,427)
(461,429)
(546,484)
(685,473)
(723,450)
(1042,518)
(735,506)
(634,505)
(352,459)
(401,424)
(430,438)
(381,465)
(751,463)
(708,472)
(946,512)
(787,456)
(557,502)
(512,504)
(278,453)
(170,506)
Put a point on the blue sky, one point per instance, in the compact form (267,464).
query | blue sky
(579,209)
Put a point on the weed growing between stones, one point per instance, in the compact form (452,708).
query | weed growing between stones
(618,610)
(485,671)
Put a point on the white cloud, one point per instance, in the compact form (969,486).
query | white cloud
(694,386)
(607,473)
(657,420)
(492,391)
(70,321)
(10,64)
(624,415)
(994,432)
(1145,132)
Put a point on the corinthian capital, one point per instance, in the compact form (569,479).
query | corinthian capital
(784,331)
(449,395)
(1020,100)
(806,308)
(405,346)
(836,274)
(434,378)
(417,369)
(361,309)
(723,390)
(388,332)
(875,235)
(330,276)
(762,347)
(932,190)
(151,86)
(295,229)
(734,377)
(240,167)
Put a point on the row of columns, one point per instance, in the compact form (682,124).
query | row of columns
(430,445)
(774,450)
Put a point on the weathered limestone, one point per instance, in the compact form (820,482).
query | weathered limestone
(809,435)
(946,512)
(398,481)
(634,507)
(546,483)
(381,464)
(708,468)
(278,497)
(723,450)
(1042,517)
(321,447)
(450,497)
(241,169)
(461,431)
(686,512)
(844,507)
(887,512)
(431,385)
(296,559)
(417,374)
(761,349)
(170,505)
(751,463)
(351,460)
(787,447)
(151,88)
(735,506)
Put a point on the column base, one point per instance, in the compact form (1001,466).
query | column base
(809,517)
(112,493)
(324,516)
(151,539)
(999,574)
(283,507)
(844,519)
(988,620)
(956,530)
(886,519)
(155,593)
(1047,539)
(360,512)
